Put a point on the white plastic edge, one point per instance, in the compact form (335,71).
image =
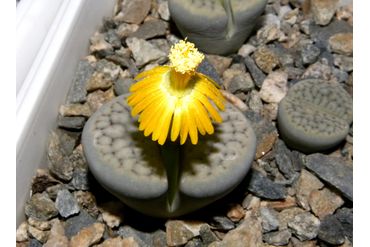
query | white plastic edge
(48,79)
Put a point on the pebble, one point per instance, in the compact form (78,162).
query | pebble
(222,223)
(76,223)
(66,204)
(274,87)
(344,63)
(41,236)
(78,89)
(41,225)
(277,238)
(88,236)
(150,29)
(321,69)
(270,220)
(265,59)
(112,213)
(330,231)
(235,212)
(254,101)
(229,74)
(87,202)
(257,74)
(74,123)
(22,232)
(99,46)
(264,187)
(57,236)
(241,83)
(282,157)
(133,11)
(280,205)
(251,202)
(40,207)
(144,52)
(97,99)
(119,242)
(304,226)
(342,43)
(58,162)
(323,10)
(304,186)
(207,235)
(76,110)
(345,216)
(81,179)
(286,215)
(309,53)
(324,202)
(246,49)
(42,181)
(333,171)
(206,68)
(163,11)
(113,38)
(142,238)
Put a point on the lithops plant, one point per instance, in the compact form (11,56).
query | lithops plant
(169,175)
(216,26)
(315,115)
(135,169)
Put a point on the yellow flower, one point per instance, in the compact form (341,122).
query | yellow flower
(176,95)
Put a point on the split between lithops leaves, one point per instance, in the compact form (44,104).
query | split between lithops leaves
(216,26)
(315,115)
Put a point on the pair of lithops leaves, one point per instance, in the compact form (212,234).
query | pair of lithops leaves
(169,180)
(216,26)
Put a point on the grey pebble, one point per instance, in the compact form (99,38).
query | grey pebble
(270,219)
(112,38)
(305,226)
(345,216)
(143,238)
(331,231)
(122,86)
(40,207)
(257,74)
(264,187)
(81,179)
(222,223)
(74,123)
(76,223)
(283,160)
(66,204)
(277,238)
(333,171)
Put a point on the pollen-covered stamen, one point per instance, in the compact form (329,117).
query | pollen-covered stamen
(185,59)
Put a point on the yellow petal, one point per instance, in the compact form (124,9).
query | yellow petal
(177,120)
(164,121)
(212,111)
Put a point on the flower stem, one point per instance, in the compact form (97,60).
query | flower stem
(170,154)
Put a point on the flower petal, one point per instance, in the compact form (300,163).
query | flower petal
(177,120)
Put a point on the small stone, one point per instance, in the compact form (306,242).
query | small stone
(22,234)
(177,233)
(34,243)
(229,74)
(269,111)
(298,243)
(142,238)
(255,102)
(40,207)
(246,49)
(293,72)
(298,160)
(251,202)
(248,233)
(277,238)
(309,53)
(41,236)
(76,223)
(331,231)
(163,11)
(52,191)
(159,238)
(305,226)
(144,52)
(320,69)
(345,216)
(119,242)
(150,29)
(87,201)
(206,68)
(342,43)
(344,63)
(282,157)
(270,220)
(122,86)
(81,180)
(235,212)
(332,170)
(75,110)
(99,81)
(257,74)
(42,181)
(41,225)
(88,236)
(98,98)
(264,187)
(287,215)
(78,89)
(112,213)
(113,38)
(220,63)
(340,75)
(323,10)
(274,87)
(270,33)
(222,223)
(57,236)
(241,83)
(207,235)
(125,29)
(324,202)
(304,186)
(75,123)
(66,204)
(266,145)
(280,205)
(133,11)
(265,59)
(99,46)
(69,139)
(58,162)
(78,159)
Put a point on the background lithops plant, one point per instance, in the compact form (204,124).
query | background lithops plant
(315,115)
(138,170)
(216,26)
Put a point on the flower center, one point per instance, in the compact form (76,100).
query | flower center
(185,59)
